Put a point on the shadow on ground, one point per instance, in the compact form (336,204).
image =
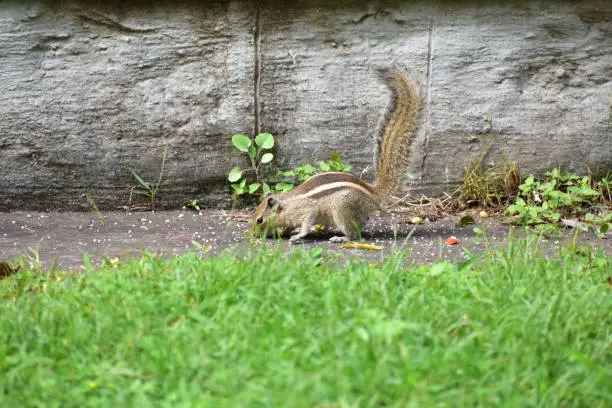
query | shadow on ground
(63,237)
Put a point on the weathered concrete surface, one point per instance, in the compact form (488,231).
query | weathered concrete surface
(90,89)
(527,81)
(61,238)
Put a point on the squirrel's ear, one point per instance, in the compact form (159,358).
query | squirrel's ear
(273,201)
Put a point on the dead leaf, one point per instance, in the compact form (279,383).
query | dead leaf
(362,246)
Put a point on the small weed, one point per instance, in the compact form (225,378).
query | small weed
(30,260)
(94,208)
(256,150)
(604,186)
(147,189)
(490,186)
(193,205)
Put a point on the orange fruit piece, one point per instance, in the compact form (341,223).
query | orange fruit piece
(451,241)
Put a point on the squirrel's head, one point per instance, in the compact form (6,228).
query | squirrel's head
(268,216)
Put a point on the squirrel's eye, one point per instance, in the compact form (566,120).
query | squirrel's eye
(259,220)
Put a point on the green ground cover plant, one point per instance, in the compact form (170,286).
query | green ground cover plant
(511,327)
(562,195)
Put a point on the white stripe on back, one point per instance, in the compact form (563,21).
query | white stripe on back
(337,184)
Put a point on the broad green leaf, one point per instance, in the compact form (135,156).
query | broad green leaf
(243,183)
(265,188)
(239,190)
(307,169)
(583,190)
(234,174)
(603,229)
(324,166)
(242,142)
(266,158)
(554,173)
(253,187)
(252,151)
(264,140)
(284,187)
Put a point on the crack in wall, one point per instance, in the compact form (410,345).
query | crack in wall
(257,70)
(427,127)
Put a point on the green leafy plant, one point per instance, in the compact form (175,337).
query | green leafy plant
(256,149)
(149,190)
(193,205)
(302,173)
(295,176)
(335,163)
(558,196)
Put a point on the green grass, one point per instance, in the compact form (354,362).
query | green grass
(511,328)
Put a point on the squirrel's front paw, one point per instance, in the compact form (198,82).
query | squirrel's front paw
(339,239)
(295,240)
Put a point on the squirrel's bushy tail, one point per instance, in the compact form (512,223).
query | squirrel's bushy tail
(397,130)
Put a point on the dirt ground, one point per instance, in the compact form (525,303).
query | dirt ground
(62,237)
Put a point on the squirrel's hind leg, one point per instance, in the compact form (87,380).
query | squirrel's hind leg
(350,216)
(346,225)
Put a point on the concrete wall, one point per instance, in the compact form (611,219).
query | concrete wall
(90,89)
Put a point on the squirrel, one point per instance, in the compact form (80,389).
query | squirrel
(342,200)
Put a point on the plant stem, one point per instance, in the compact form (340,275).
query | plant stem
(161,171)
(255,169)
